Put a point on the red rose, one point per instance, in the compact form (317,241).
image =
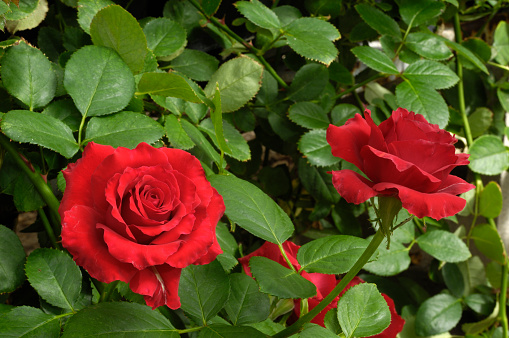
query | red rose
(140,216)
(324,285)
(405,157)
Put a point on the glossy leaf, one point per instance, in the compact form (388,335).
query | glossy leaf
(21,9)
(501,43)
(246,303)
(480,303)
(490,200)
(25,321)
(116,28)
(318,182)
(87,9)
(378,20)
(252,209)
(55,277)
(258,13)
(237,146)
(444,246)
(119,319)
(389,262)
(332,254)
(453,279)
(375,59)
(65,111)
(166,84)
(364,311)
(309,82)
(432,74)
(438,314)
(43,130)
(203,290)
(417,12)
(428,45)
(308,115)
(488,241)
(105,88)
(276,280)
(239,80)
(488,155)
(28,75)
(315,148)
(12,259)
(123,129)
(195,64)
(176,135)
(165,37)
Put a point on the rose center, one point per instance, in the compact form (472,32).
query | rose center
(153,196)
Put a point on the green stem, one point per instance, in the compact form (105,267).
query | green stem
(257,53)
(48,228)
(404,38)
(503,300)
(193,329)
(363,259)
(82,124)
(285,256)
(40,185)
(360,84)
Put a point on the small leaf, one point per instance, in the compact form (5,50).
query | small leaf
(105,88)
(228,245)
(488,241)
(55,277)
(375,59)
(166,84)
(25,321)
(428,45)
(165,37)
(123,129)
(210,6)
(195,64)
(116,28)
(488,155)
(28,76)
(313,145)
(119,319)
(258,13)
(453,279)
(318,182)
(237,146)
(342,112)
(480,120)
(239,80)
(490,200)
(465,53)
(33,20)
(480,303)
(444,246)
(418,12)
(21,9)
(216,117)
(203,290)
(309,82)
(87,9)
(276,280)
(501,43)
(389,262)
(65,111)
(252,209)
(421,99)
(364,311)
(246,303)
(308,115)
(201,141)
(176,135)
(431,73)
(332,254)
(12,258)
(310,330)
(378,20)
(312,38)
(437,314)
(44,130)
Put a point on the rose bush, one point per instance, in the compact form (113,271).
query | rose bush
(140,216)
(405,157)
(324,284)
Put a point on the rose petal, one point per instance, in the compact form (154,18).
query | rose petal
(84,241)
(397,322)
(158,285)
(376,138)
(347,141)
(454,185)
(352,187)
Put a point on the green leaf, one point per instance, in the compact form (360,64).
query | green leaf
(332,254)
(308,115)
(453,279)
(216,117)
(116,28)
(501,43)
(195,64)
(309,82)
(105,88)
(237,146)
(119,319)
(87,9)
(20,9)
(428,45)
(65,111)
(318,182)
(432,74)
(312,38)
(239,80)
(25,321)
(437,314)
(44,130)
(342,112)
(203,290)
(276,280)
(465,53)
(444,246)
(375,59)
(417,12)
(490,200)
(246,304)
(480,303)
(176,135)
(12,258)
(488,241)
(258,13)
(210,6)
(480,120)
(33,20)
(55,277)
(252,209)
(378,20)
(390,261)
(201,142)
(166,84)
(165,37)
(228,245)
(123,129)
(488,155)
(28,76)
(364,311)
(313,145)
(228,331)
(503,97)
(421,99)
